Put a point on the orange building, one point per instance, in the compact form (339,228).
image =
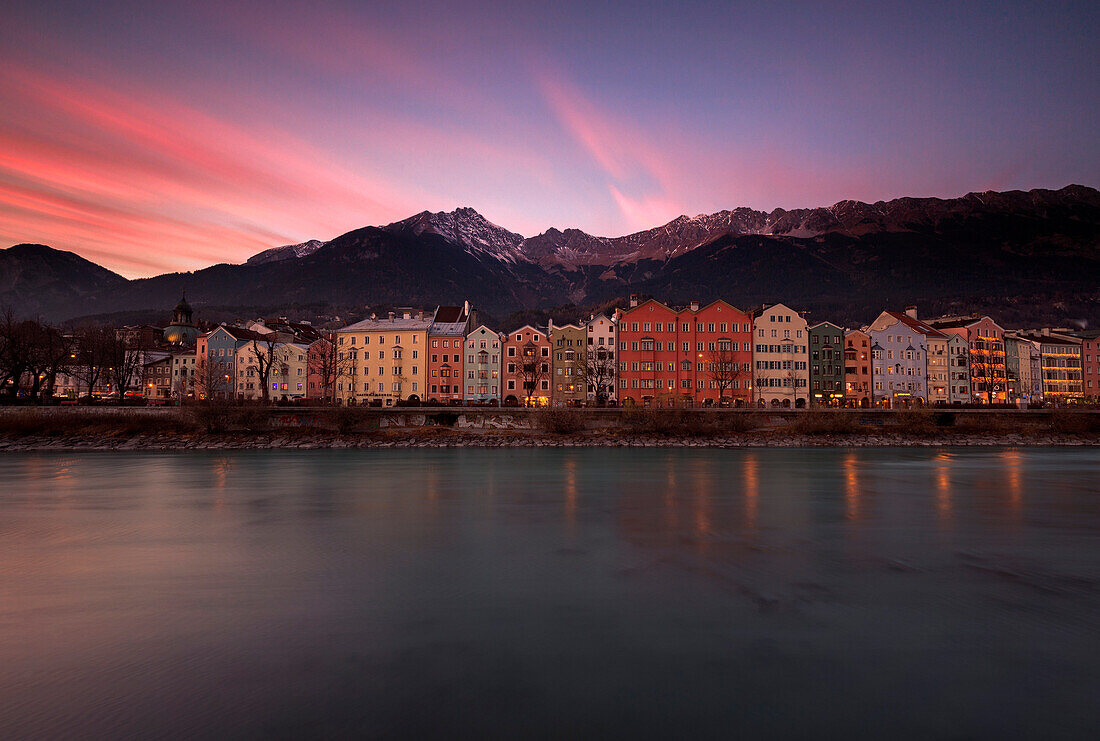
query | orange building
(857,369)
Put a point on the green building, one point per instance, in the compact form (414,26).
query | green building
(826,365)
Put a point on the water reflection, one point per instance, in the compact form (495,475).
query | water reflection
(750,467)
(1012,460)
(851,486)
(942,473)
(484,593)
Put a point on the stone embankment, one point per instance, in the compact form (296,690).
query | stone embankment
(220,428)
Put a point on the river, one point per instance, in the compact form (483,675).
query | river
(886,593)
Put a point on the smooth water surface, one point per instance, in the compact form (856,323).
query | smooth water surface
(551,593)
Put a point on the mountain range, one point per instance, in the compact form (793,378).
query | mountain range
(1031,257)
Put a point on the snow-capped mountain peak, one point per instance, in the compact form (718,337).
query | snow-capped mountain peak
(286,252)
(466,227)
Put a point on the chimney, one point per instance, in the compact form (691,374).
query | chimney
(549,327)
(911,312)
(466,308)
(1045,331)
(633,300)
(695,306)
(392,315)
(420,314)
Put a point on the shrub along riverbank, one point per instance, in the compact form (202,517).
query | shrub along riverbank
(257,427)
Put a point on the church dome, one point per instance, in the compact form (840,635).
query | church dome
(180,334)
(181,331)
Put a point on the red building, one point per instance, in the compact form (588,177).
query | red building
(445,339)
(527,366)
(1090,364)
(323,370)
(691,356)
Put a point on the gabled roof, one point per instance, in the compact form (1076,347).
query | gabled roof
(388,325)
(449,314)
(239,333)
(957,322)
(487,328)
(822,324)
(769,307)
(723,302)
(647,302)
(541,330)
(923,327)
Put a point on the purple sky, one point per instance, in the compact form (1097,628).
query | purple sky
(163,136)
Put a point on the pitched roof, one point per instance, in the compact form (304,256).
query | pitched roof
(240,333)
(923,327)
(449,314)
(388,325)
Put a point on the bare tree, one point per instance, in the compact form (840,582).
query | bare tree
(126,358)
(261,356)
(211,380)
(329,364)
(91,360)
(723,368)
(15,353)
(530,370)
(596,369)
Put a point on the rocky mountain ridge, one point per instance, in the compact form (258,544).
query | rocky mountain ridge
(1034,253)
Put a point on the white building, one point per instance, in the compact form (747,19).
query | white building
(781,368)
(602,332)
(899,360)
(287,378)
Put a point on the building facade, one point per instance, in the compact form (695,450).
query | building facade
(1060,365)
(1090,364)
(899,360)
(484,349)
(527,366)
(156,380)
(603,365)
(184,375)
(827,375)
(386,362)
(570,370)
(216,353)
(858,378)
(958,370)
(985,339)
(446,338)
(690,356)
(780,357)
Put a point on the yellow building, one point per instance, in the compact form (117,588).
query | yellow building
(286,380)
(383,361)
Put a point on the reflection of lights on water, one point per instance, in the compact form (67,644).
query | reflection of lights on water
(1012,465)
(943,487)
(851,487)
(751,469)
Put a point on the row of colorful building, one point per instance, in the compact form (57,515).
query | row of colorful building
(647,354)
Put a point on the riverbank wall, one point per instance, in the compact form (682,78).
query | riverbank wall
(217,427)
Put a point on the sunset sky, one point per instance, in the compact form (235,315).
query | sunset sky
(151,137)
